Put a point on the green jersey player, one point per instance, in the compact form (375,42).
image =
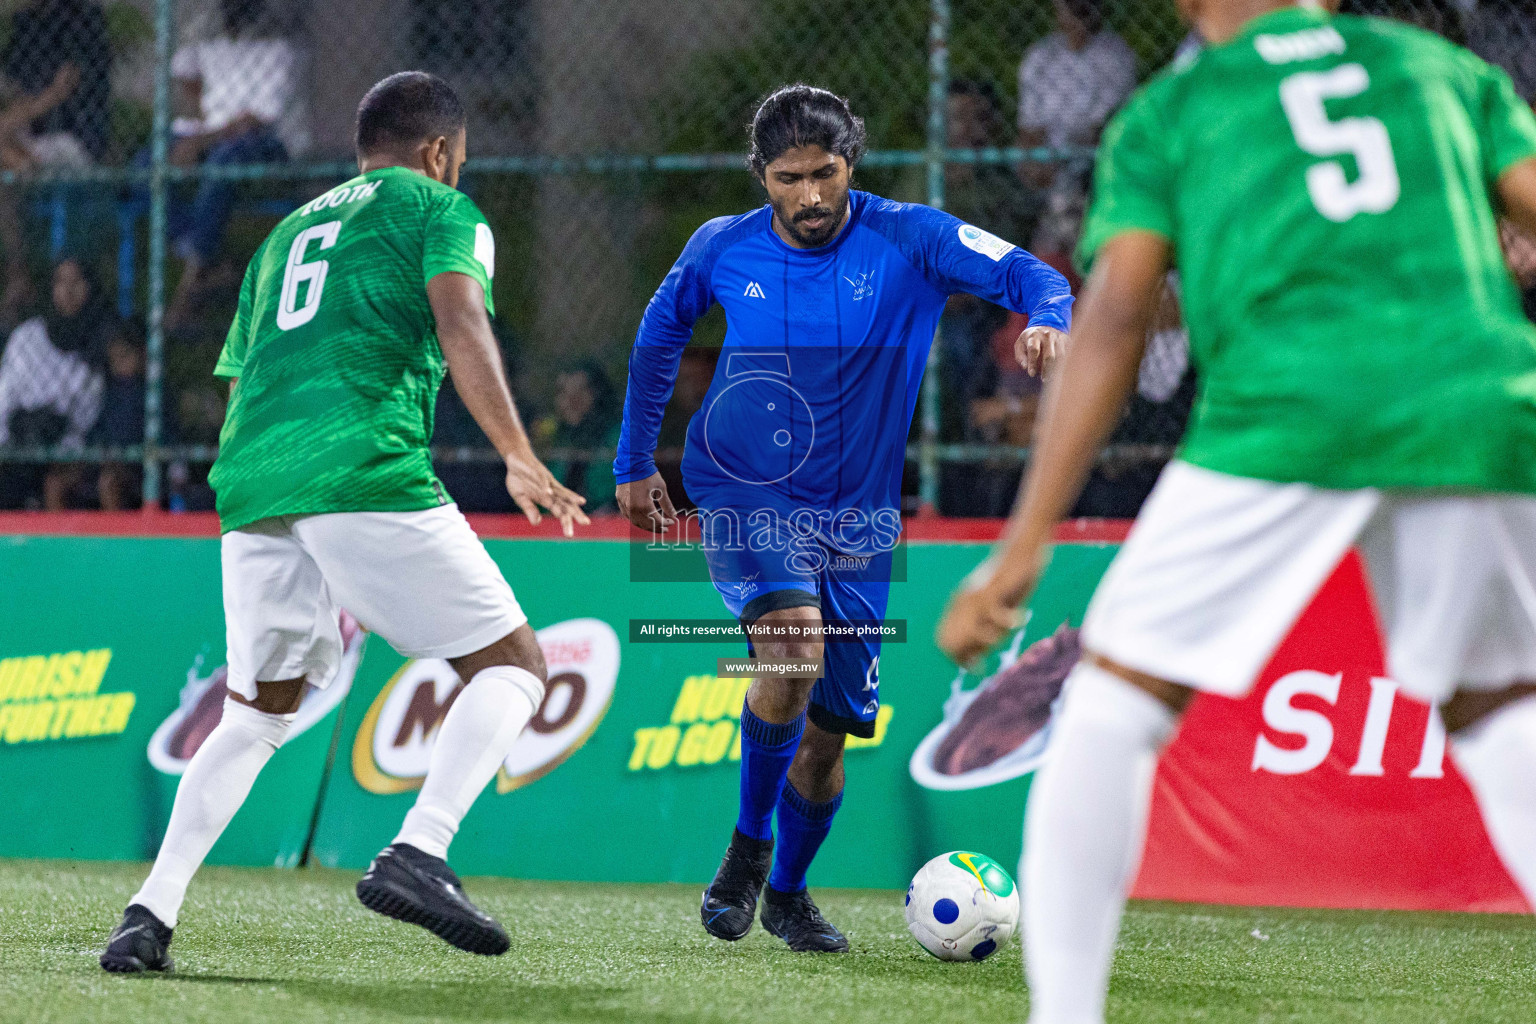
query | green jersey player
(1329,190)
(350,313)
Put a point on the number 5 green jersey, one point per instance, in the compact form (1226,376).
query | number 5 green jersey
(1328,186)
(335,349)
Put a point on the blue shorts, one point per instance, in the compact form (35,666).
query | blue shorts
(754,579)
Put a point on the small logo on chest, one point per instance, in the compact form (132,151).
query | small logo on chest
(754,291)
(863,287)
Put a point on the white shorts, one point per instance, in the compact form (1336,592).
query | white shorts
(421,580)
(1218,568)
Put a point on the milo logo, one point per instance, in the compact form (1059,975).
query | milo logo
(393,747)
(991,877)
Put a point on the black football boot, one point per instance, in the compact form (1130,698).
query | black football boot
(730,902)
(415,887)
(141,943)
(795,918)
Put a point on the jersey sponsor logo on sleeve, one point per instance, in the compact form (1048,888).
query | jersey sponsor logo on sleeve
(754,291)
(485,249)
(984,242)
(1309,44)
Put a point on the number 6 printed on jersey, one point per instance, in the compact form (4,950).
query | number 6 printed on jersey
(289,313)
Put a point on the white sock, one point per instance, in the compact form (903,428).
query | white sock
(1083,833)
(217,781)
(1497,757)
(475,738)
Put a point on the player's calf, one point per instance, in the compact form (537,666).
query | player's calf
(1493,739)
(410,880)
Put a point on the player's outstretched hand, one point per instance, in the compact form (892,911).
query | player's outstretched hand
(646,503)
(1038,348)
(532,486)
(980,613)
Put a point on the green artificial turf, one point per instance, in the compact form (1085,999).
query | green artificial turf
(295,946)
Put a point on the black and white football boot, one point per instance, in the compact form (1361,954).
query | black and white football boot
(141,943)
(795,918)
(730,902)
(415,887)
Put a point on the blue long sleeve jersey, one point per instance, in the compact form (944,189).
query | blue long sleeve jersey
(812,399)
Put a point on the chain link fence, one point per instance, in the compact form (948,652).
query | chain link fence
(148,146)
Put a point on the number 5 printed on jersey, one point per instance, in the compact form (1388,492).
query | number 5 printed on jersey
(1336,197)
(298,273)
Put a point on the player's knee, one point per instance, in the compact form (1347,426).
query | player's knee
(821,751)
(1468,707)
(808,651)
(789,634)
(793,632)
(1174,695)
(779,700)
(519,648)
(278,697)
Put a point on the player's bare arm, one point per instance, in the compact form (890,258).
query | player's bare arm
(1517,192)
(1082,403)
(474,362)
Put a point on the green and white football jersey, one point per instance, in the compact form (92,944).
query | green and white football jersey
(1328,186)
(335,349)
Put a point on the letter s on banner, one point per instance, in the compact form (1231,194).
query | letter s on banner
(1313,726)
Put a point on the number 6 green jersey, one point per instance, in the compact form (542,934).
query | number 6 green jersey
(335,349)
(1328,186)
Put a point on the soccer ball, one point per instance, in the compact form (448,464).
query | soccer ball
(962,906)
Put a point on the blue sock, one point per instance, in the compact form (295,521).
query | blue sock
(802,827)
(766,751)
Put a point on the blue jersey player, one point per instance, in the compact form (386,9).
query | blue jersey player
(831,299)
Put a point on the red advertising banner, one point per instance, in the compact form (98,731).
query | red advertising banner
(1324,787)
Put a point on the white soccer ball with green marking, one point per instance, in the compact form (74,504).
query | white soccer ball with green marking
(962,906)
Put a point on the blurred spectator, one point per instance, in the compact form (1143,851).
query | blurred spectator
(965,356)
(47,37)
(1070,83)
(1438,16)
(478,485)
(1165,360)
(987,195)
(583,434)
(20,150)
(240,91)
(121,423)
(196,414)
(51,377)
(1152,422)
(1503,32)
(55,107)
(991,197)
(1001,406)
